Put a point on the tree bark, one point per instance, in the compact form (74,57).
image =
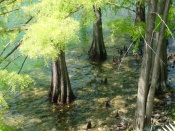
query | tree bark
(146,89)
(60,91)
(140,17)
(155,77)
(145,68)
(140,11)
(97,51)
(162,82)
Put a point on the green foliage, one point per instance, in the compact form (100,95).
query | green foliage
(48,36)
(3,103)
(171,21)
(11,18)
(12,81)
(124,26)
(51,30)
(121,26)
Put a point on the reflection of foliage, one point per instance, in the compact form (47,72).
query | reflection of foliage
(12,81)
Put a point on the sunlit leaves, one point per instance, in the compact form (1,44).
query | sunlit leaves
(14,80)
(123,26)
(48,36)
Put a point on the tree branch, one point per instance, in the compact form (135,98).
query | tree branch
(73,11)
(22,65)
(9,11)
(4,49)
(16,28)
(14,49)
(11,61)
(121,6)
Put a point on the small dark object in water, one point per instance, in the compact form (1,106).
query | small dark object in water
(89,126)
(173,61)
(117,115)
(121,52)
(119,59)
(105,81)
(107,104)
(125,48)
(118,51)
(113,60)
(172,66)
(169,57)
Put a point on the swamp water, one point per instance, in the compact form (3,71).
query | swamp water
(30,110)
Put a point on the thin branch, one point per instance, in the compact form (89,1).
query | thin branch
(11,2)
(125,54)
(73,11)
(18,73)
(16,28)
(152,37)
(121,6)
(10,11)
(29,20)
(165,24)
(14,49)
(22,65)
(151,48)
(11,61)
(4,49)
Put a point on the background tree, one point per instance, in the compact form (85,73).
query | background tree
(97,51)
(47,37)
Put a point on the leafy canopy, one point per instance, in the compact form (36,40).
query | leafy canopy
(51,30)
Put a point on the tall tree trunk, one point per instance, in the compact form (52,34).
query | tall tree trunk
(140,17)
(145,68)
(163,63)
(60,90)
(140,11)
(97,51)
(163,67)
(156,69)
(146,90)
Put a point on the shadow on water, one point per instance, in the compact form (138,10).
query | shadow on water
(31,110)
